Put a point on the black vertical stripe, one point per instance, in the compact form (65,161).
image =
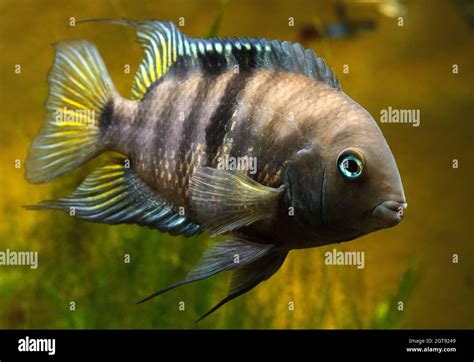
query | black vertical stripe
(136,132)
(106,117)
(167,104)
(242,136)
(220,119)
(205,86)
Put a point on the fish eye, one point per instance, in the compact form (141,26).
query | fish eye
(350,164)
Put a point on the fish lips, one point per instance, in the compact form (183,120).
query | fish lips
(389,213)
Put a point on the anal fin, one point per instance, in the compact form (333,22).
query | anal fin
(115,194)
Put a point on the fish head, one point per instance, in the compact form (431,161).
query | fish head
(345,182)
(361,190)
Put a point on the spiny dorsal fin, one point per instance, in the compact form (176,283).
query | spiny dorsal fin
(115,194)
(162,42)
(166,48)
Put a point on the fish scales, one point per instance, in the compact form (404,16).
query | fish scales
(182,124)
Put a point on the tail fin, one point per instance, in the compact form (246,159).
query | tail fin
(81,92)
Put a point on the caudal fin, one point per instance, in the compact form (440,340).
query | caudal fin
(80,93)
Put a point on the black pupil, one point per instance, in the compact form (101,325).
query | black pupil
(351,166)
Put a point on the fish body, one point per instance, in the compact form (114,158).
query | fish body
(323,170)
(183,125)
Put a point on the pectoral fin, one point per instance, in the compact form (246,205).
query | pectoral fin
(228,200)
(250,275)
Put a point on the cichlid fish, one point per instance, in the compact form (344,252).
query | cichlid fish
(324,172)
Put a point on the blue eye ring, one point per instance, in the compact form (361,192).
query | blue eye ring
(351,164)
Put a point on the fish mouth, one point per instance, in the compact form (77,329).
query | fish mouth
(390,212)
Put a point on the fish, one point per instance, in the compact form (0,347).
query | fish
(324,172)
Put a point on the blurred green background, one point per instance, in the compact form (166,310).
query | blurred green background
(389,65)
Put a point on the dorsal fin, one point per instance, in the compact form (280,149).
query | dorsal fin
(166,48)
(162,42)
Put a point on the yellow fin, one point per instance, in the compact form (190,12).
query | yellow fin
(80,89)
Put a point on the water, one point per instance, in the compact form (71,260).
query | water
(400,67)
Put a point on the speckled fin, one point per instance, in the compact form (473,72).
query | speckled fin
(250,275)
(221,256)
(228,200)
(114,194)
(166,48)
